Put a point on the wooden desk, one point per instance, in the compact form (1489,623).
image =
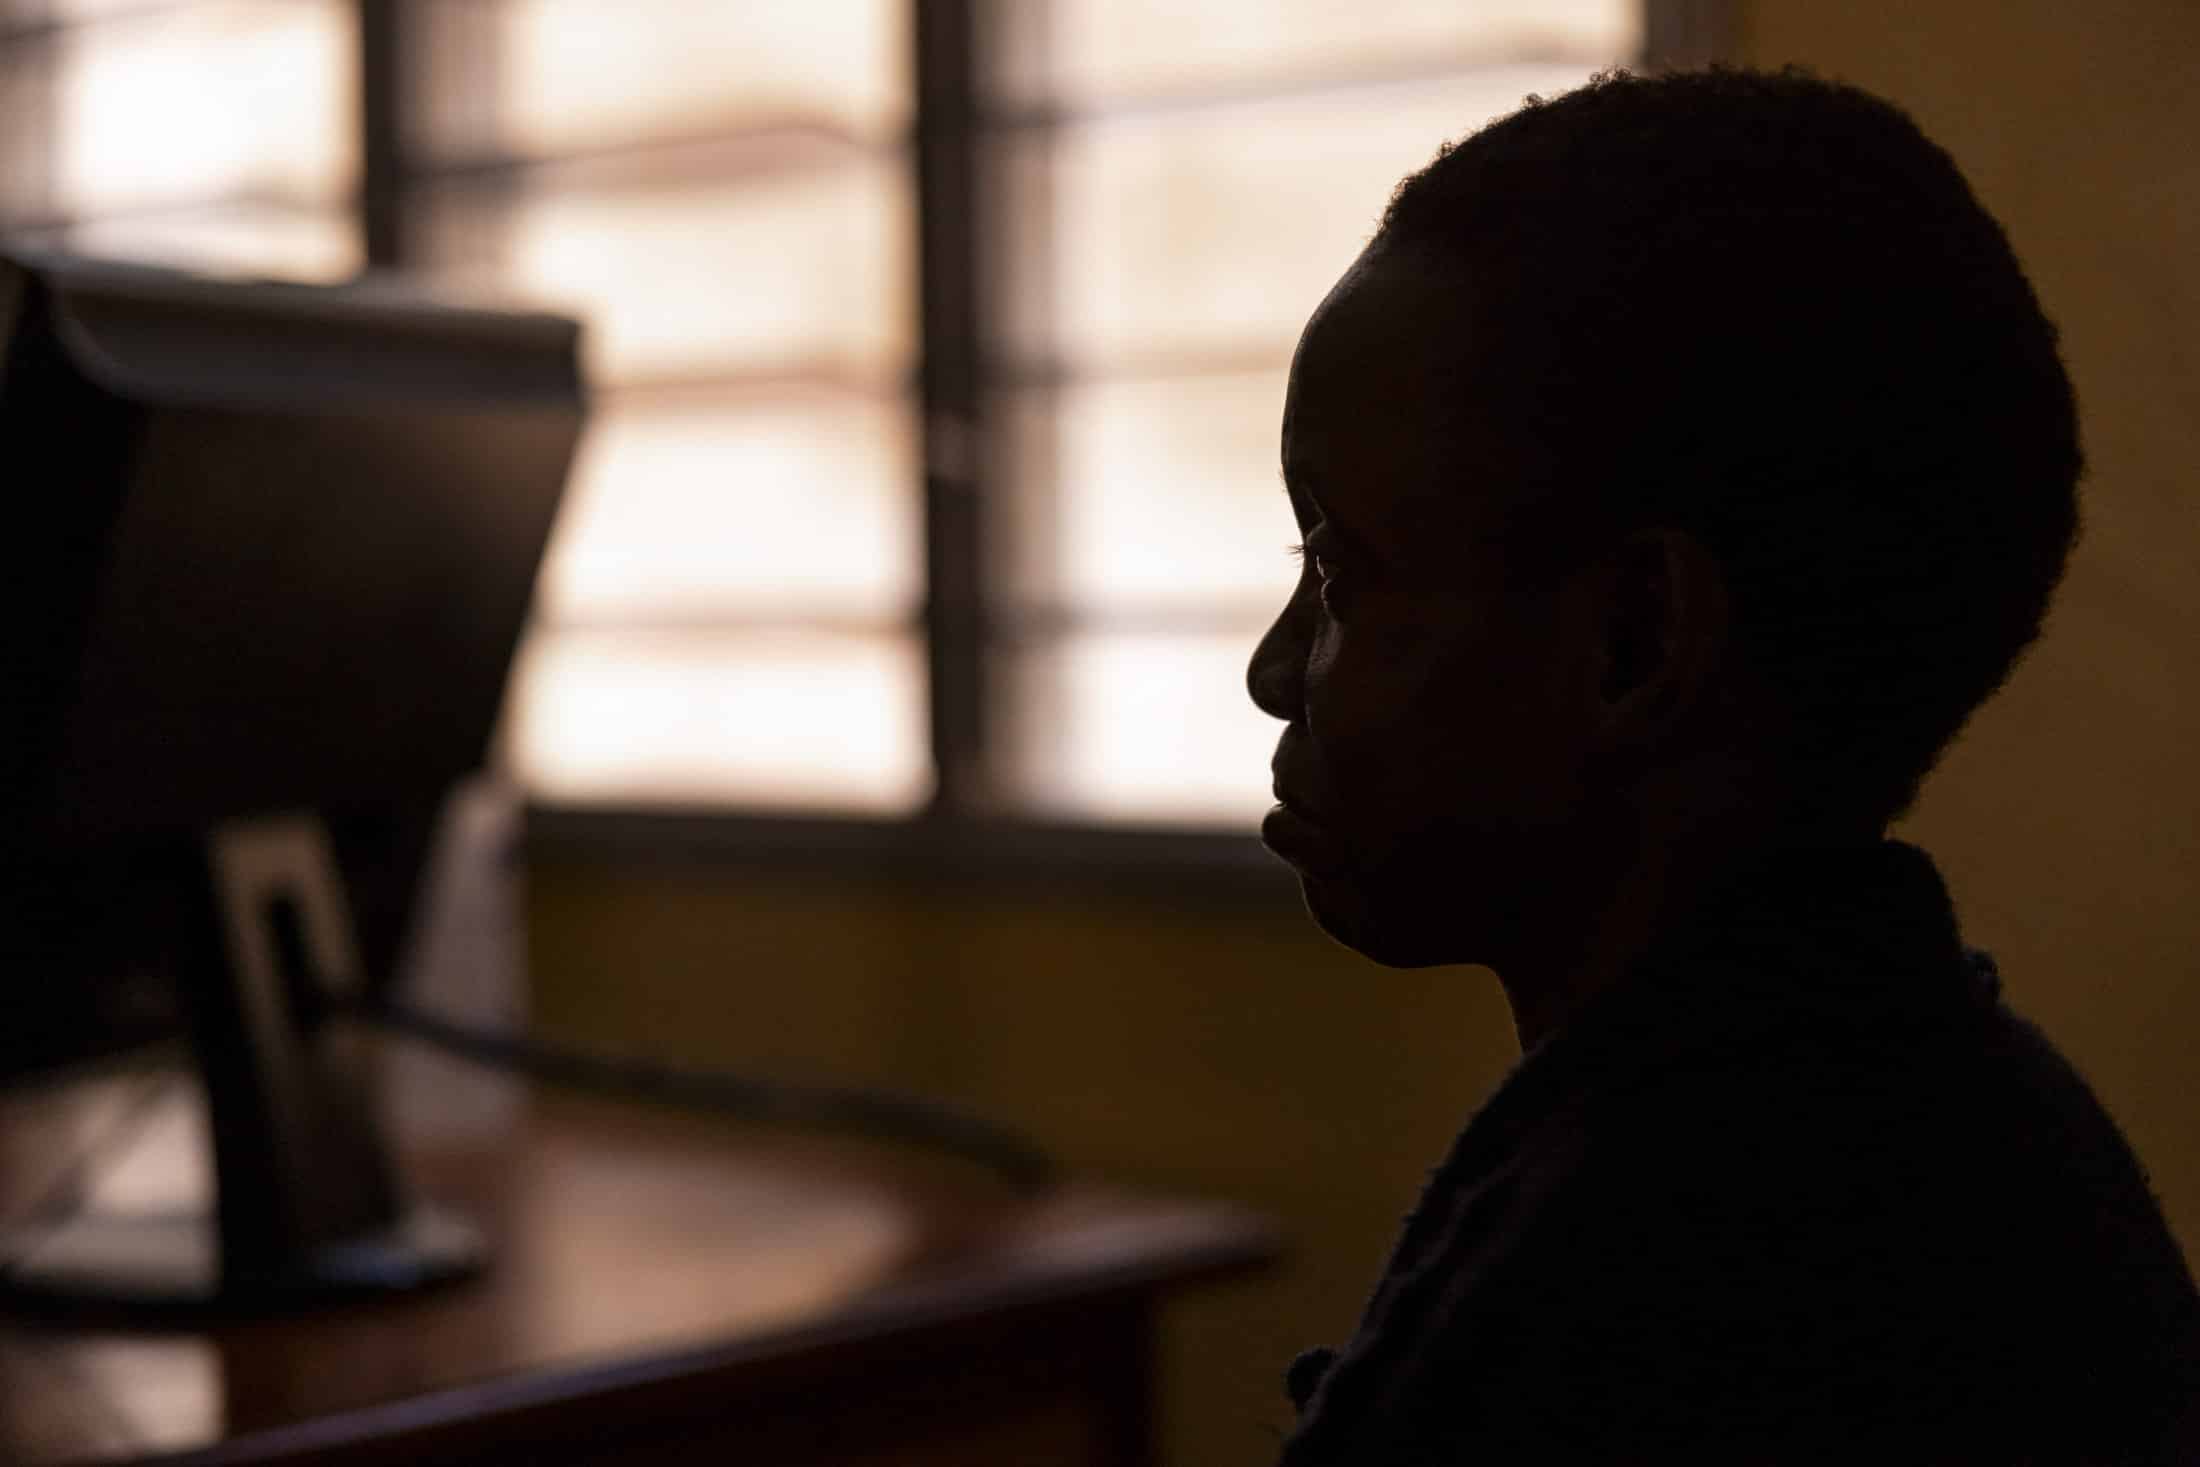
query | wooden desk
(671,1291)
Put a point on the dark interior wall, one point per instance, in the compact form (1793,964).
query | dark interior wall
(1222,1047)
(2066,817)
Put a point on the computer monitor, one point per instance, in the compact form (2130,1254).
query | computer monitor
(272,548)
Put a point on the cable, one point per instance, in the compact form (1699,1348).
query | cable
(876,1114)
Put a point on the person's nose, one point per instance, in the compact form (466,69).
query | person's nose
(1276,676)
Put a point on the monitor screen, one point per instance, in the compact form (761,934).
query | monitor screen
(272,548)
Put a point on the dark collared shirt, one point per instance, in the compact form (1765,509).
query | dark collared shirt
(1801,1188)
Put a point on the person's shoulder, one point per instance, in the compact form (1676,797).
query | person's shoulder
(1837,1234)
(1970,1103)
(1956,1174)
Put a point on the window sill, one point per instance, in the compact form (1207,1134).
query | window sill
(1175,866)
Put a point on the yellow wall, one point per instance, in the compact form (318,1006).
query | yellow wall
(1228,1050)
(2065,819)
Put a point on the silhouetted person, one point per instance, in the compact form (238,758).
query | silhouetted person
(1680,466)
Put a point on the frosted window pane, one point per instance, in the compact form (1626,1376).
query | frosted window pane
(546,76)
(1217,230)
(275,243)
(222,98)
(761,719)
(1090,50)
(1139,728)
(1149,494)
(39,12)
(795,269)
(789,507)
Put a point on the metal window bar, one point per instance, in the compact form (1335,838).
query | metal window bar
(949,381)
(383,178)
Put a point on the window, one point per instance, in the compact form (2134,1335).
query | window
(810,560)
(729,610)
(219,135)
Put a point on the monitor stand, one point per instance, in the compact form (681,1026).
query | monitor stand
(309,1210)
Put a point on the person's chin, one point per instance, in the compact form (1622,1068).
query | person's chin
(1343,907)
(1349,918)
(1388,921)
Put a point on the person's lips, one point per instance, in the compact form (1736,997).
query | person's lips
(1299,838)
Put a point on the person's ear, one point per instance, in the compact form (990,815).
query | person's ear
(1666,624)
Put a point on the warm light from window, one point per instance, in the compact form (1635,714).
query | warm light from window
(803,268)
(719,191)
(751,718)
(1084,51)
(1218,230)
(779,508)
(1138,727)
(559,76)
(183,104)
(1146,496)
(279,243)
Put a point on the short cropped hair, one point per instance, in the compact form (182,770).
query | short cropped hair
(1765,309)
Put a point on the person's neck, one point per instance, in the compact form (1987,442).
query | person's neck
(1580,958)
(1657,879)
